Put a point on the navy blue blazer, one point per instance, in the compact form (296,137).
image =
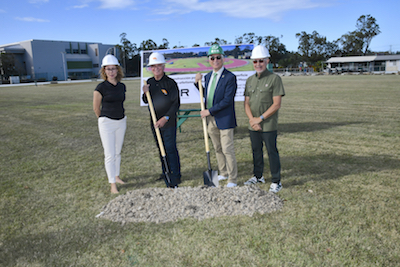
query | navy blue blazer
(223,108)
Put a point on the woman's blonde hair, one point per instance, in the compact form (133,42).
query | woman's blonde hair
(120,73)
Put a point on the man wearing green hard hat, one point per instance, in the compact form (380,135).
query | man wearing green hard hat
(219,92)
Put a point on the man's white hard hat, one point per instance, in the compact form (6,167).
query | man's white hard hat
(156,58)
(260,52)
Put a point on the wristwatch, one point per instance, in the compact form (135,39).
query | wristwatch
(166,117)
(262,117)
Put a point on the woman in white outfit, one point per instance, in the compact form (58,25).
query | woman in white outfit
(108,105)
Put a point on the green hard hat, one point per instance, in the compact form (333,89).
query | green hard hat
(215,49)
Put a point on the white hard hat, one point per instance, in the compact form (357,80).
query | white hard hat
(156,58)
(109,60)
(259,52)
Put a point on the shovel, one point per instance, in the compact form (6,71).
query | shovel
(210,176)
(159,139)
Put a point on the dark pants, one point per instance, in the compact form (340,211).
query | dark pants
(257,140)
(169,140)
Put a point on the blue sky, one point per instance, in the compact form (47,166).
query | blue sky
(189,22)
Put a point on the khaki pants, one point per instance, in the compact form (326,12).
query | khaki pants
(224,149)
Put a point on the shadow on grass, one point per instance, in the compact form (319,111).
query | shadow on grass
(243,132)
(144,181)
(95,238)
(313,168)
(310,126)
(331,166)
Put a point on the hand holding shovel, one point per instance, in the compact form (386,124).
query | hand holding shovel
(210,176)
(158,134)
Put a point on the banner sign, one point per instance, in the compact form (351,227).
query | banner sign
(182,64)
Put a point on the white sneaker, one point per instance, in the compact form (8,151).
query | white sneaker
(231,185)
(221,178)
(254,180)
(275,188)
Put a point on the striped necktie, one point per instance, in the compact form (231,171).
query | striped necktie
(210,97)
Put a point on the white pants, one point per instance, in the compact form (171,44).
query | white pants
(112,133)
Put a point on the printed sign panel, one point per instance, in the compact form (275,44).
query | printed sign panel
(182,64)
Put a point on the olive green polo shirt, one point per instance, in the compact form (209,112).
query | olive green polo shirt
(261,90)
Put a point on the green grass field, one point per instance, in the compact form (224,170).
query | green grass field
(339,142)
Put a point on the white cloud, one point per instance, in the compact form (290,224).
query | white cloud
(116,4)
(240,9)
(81,6)
(31,19)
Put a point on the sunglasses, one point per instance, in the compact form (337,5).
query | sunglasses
(215,58)
(259,60)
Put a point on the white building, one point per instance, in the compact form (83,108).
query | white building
(372,64)
(44,59)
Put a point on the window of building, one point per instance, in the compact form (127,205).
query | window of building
(83,51)
(79,65)
(95,65)
(68,51)
(379,66)
(75,51)
(95,51)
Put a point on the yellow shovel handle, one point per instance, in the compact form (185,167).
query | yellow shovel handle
(154,118)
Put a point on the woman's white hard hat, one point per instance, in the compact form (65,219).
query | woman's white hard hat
(156,58)
(109,60)
(260,52)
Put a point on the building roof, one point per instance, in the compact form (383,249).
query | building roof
(15,49)
(362,58)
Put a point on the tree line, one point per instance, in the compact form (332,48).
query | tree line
(313,48)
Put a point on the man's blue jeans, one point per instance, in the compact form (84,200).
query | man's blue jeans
(257,140)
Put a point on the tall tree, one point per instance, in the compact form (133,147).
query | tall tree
(249,38)
(305,44)
(276,49)
(272,43)
(314,47)
(128,51)
(164,45)
(127,48)
(367,29)
(148,45)
(357,42)
(9,66)
(290,60)
(216,41)
(351,44)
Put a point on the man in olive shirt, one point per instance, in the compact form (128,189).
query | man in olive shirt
(263,94)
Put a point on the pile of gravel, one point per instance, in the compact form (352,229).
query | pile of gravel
(161,205)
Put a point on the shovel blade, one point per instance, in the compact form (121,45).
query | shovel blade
(167,180)
(211,178)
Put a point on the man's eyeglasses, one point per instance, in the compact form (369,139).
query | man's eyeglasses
(111,69)
(214,58)
(258,60)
